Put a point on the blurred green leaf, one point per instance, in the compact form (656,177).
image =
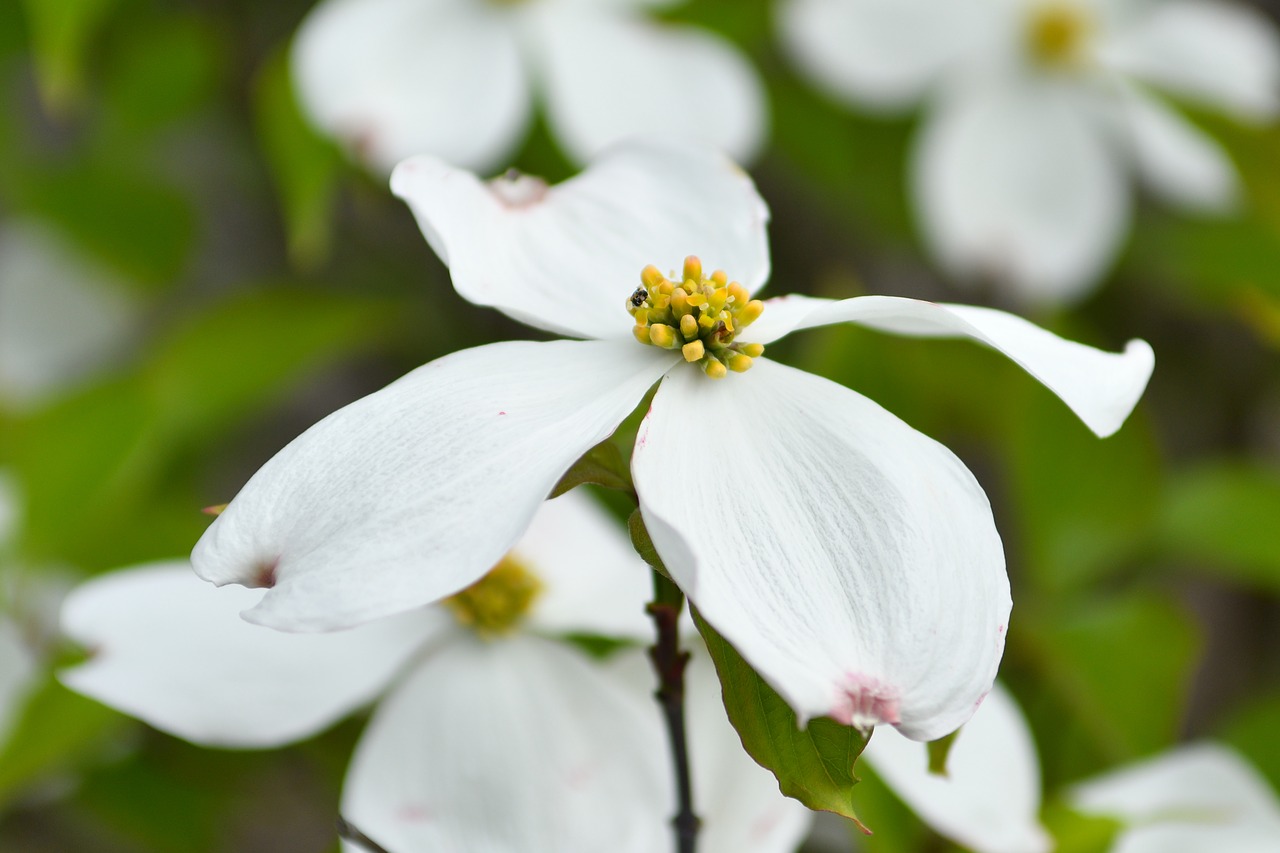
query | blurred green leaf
(1079,833)
(602,465)
(160,71)
(939,751)
(1085,505)
(1252,730)
(815,765)
(1226,516)
(305,166)
(58,731)
(125,216)
(61,31)
(1119,667)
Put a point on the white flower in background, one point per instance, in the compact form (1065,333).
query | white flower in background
(504,741)
(457,78)
(851,560)
(1201,798)
(61,314)
(17,663)
(1038,110)
(989,799)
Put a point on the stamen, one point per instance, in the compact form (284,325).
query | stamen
(1058,32)
(497,602)
(699,315)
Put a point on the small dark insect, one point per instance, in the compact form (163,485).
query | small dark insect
(638,298)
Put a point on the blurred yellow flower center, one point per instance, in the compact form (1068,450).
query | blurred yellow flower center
(698,315)
(497,602)
(1058,33)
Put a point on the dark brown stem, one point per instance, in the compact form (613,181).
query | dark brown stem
(669,664)
(350,833)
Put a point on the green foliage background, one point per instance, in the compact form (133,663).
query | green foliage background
(280,282)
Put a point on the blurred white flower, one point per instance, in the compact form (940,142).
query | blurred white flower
(61,315)
(1037,112)
(853,561)
(17,662)
(1200,798)
(506,740)
(457,78)
(989,799)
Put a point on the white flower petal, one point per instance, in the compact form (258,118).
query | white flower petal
(1225,54)
(593,582)
(414,492)
(567,259)
(610,75)
(1100,387)
(61,314)
(395,78)
(1202,798)
(1177,159)
(1018,185)
(880,53)
(519,746)
(851,560)
(172,650)
(17,674)
(989,801)
(737,801)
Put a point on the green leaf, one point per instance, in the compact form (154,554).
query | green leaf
(305,167)
(939,751)
(1223,515)
(643,544)
(815,765)
(61,31)
(602,465)
(58,730)
(1253,731)
(159,72)
(1080,833)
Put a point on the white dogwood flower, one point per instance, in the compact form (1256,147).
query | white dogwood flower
(851,560)
(989,799)
(491,735)
(457,78)
(62,316)
(1198,798)
(1037,112)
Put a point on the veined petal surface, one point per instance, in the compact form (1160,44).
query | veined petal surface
(516,746)
(1222,53)
(880,53)
(565,258)
(1100,387)
(415,491)
(172,650)
(395,78)
(989,800)
(850,559)
(593,582)
(1202,798)
(609,75)
(1016,184)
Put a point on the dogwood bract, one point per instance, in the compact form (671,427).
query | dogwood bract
(489,737)
(456,78)
(1037,109)
(851,560)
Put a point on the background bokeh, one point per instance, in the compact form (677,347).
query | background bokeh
(254,280)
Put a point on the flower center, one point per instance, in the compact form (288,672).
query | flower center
(698,315)
(497,602)
(1057,33)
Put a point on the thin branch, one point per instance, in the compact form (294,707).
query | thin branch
(348,832)
(669,665)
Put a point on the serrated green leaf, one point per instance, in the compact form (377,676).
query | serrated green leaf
(814,765)
(1224,516)
(305,167)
